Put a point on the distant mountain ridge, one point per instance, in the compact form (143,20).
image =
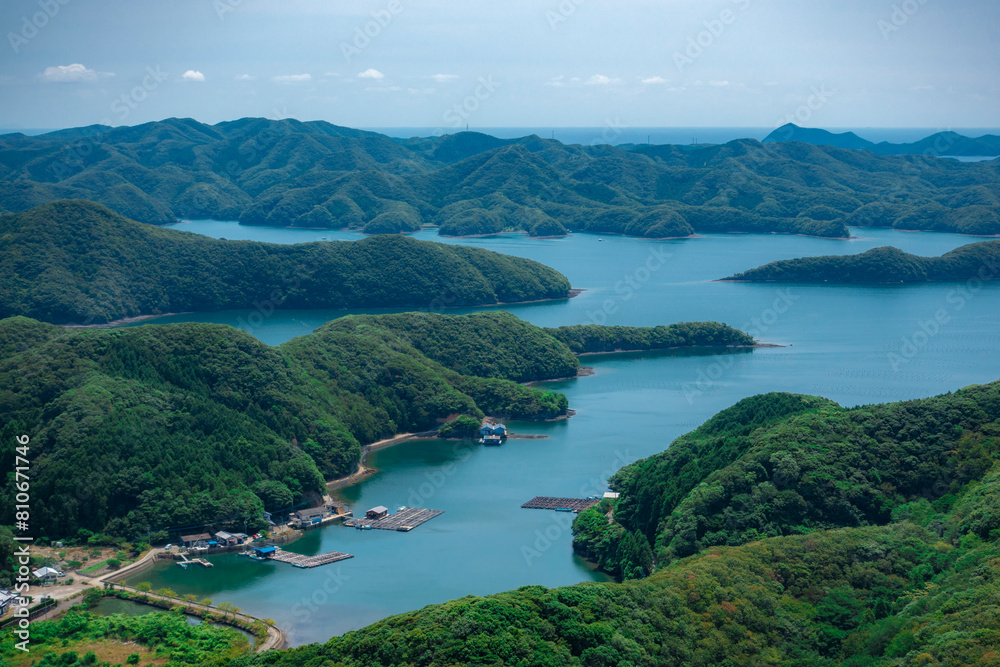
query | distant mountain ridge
(318,175)
(939,144)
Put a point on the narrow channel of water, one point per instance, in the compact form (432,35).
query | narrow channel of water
(855,345)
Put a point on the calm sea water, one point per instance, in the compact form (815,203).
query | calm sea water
(855,345)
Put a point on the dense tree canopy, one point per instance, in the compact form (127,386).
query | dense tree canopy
(187,424)
(288,173)
(976,261)
(77,262)
(895,564)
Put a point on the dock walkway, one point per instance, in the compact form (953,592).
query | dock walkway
(402,521)
(560,504)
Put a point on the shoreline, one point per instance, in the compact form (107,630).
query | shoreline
(680,347)
(125,321)
(135,319)
(363,472)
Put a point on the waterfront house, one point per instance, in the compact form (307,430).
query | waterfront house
(226,539)
(196,540)
(46,575)
(240,537)
(264,552)
(491,430)
(377,512)
(6,600)
(308,517)
(610,495)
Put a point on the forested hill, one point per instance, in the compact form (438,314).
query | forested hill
(938,144)
(788,531)
(976,261)
(594,339)
(289,173)
(181,425)
(77,262)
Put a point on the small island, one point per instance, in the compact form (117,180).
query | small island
(886,265)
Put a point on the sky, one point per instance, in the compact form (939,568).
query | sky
(505,63)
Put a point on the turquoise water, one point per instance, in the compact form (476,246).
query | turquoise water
(856,345)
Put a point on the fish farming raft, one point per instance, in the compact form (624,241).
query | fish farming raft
(403,521)
(560,504)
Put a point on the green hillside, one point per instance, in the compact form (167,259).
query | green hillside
(317,175)
(593,339)
(800,533)
(187,424)
(976,261)
(77,262)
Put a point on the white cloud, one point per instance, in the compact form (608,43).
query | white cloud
(922,89)
(71,74)
(444,78)
(718,84)
(556,81)
(371,74)
(245,77)
(601,80)
(193,75)
(654,80)
(292,78)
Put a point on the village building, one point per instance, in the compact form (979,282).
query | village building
(47,575)
(6,600)
(196,540)
(308,517)
(228,539)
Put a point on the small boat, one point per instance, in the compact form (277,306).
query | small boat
(401,508)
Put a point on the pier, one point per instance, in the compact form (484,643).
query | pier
(403,521)
(185,561)
(561,504)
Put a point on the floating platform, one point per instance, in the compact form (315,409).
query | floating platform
(299,560)
(404,520)
(194,561)
(561,504)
